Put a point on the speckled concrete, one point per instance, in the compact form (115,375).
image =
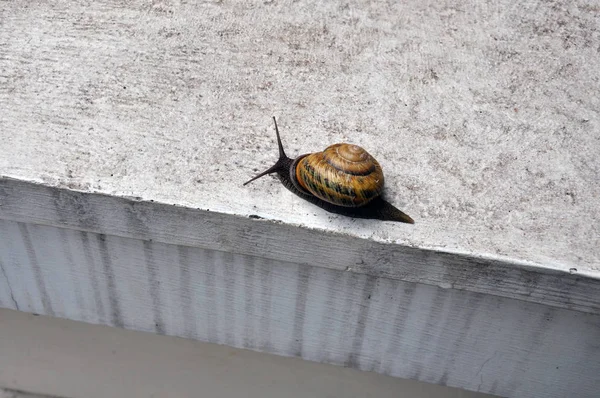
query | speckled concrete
(484,115)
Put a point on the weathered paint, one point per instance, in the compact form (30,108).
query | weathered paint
(412,330)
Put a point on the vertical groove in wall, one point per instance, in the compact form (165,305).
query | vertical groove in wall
(299,310)
(423,352)
(68,256)
(326,324)
(210,282)
(249,303)
(265,308)
(229,299)
(472,304)
(15,305)
(359,332)
(92,271)
(378,327)
(113,294)
(350,308)
(39,277)
(542,322)
(403,303)
(154,286)
(185,292)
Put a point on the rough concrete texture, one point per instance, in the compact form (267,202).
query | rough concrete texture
(483,114)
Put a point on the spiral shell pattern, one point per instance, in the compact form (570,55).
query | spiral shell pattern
(343,174)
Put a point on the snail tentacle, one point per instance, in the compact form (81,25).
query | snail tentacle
(282,163)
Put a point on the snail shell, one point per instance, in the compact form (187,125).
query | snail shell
(343,174)
(343,179)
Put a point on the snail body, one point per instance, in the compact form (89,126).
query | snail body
(343,179)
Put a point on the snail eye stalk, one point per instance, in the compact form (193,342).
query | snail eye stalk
(279,144)
(280,163)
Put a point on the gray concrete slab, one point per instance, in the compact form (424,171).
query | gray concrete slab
(484,115)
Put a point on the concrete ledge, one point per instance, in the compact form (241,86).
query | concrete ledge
(150,221)
(295,292)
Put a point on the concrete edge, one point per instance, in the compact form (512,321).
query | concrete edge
(37,203)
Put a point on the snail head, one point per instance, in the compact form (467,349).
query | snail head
(282,163)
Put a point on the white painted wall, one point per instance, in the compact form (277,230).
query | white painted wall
(476,341)
(72,359)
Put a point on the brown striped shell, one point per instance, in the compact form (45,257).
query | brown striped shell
(343,174)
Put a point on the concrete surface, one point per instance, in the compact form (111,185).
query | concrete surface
(77,360)
(484,115)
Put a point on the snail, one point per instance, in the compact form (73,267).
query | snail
(343,179)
